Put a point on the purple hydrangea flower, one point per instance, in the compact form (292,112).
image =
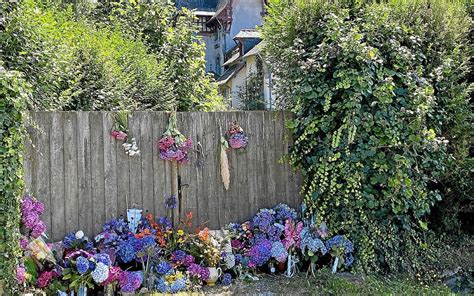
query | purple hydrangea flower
(260,253)
(178,256)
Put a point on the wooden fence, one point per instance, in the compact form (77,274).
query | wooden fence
(83,176)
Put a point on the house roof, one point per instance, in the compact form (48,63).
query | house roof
(232,59)
(203,12)
(254,51)
(247,33)
(229,73)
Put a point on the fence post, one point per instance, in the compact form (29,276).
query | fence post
(174,191)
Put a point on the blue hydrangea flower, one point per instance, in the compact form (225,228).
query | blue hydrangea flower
(178,256)
(82,264)
(116,225)
(103,258)
(100,273)
(148,242)
(284,212)
(163,267)
(178,285)
(264,219)
(161,285)
(238,258)
(279,251)
(226,279)
(125,252)
(338,241)
(310,242)
(69,240)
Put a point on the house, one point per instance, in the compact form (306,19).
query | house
(228,29)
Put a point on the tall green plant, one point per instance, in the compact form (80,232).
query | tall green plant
(380,96)
(13,102)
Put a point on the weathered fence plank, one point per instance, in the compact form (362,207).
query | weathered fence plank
(85,178)
(70,171)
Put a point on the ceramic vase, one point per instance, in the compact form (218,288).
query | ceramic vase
(214,274)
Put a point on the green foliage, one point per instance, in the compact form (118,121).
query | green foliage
(251,94)
(381,102)
(78,61)
(13,101)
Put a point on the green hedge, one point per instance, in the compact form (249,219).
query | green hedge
(77,62)
(381,101)
(13,101)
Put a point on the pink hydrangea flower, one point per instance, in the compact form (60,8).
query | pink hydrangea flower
(119,135)
(20,274)
(45,278)
(23,243)
(292,234)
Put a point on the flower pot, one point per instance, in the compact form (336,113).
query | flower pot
(214,274)
(281,266)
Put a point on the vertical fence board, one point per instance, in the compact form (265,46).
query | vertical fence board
(135,164)
(84,173)
(97,170)
(110,168)
(146,151)
(158,123)
(57,176)
(70,172)
(85,178)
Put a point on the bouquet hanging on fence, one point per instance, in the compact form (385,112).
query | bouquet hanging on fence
(236,137)
(173,145)
(120,133)
(225,173)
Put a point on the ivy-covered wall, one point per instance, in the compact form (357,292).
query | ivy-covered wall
(380,95)
(13,103)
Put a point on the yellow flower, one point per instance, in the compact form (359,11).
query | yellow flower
(180,232)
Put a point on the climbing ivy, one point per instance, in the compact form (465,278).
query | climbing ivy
(377,90)
(13,103)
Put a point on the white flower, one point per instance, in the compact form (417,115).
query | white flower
(79,234)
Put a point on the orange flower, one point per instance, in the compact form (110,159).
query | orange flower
(204,234)
(189,215)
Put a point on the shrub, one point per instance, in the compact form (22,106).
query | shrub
(13,101)
(75,62)
(381,102)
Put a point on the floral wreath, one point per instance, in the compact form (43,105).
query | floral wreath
(236,137)
(173,145)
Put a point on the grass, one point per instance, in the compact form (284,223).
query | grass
(325,283)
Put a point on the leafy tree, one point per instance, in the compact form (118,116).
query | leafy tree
(77,60)
(380,96)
